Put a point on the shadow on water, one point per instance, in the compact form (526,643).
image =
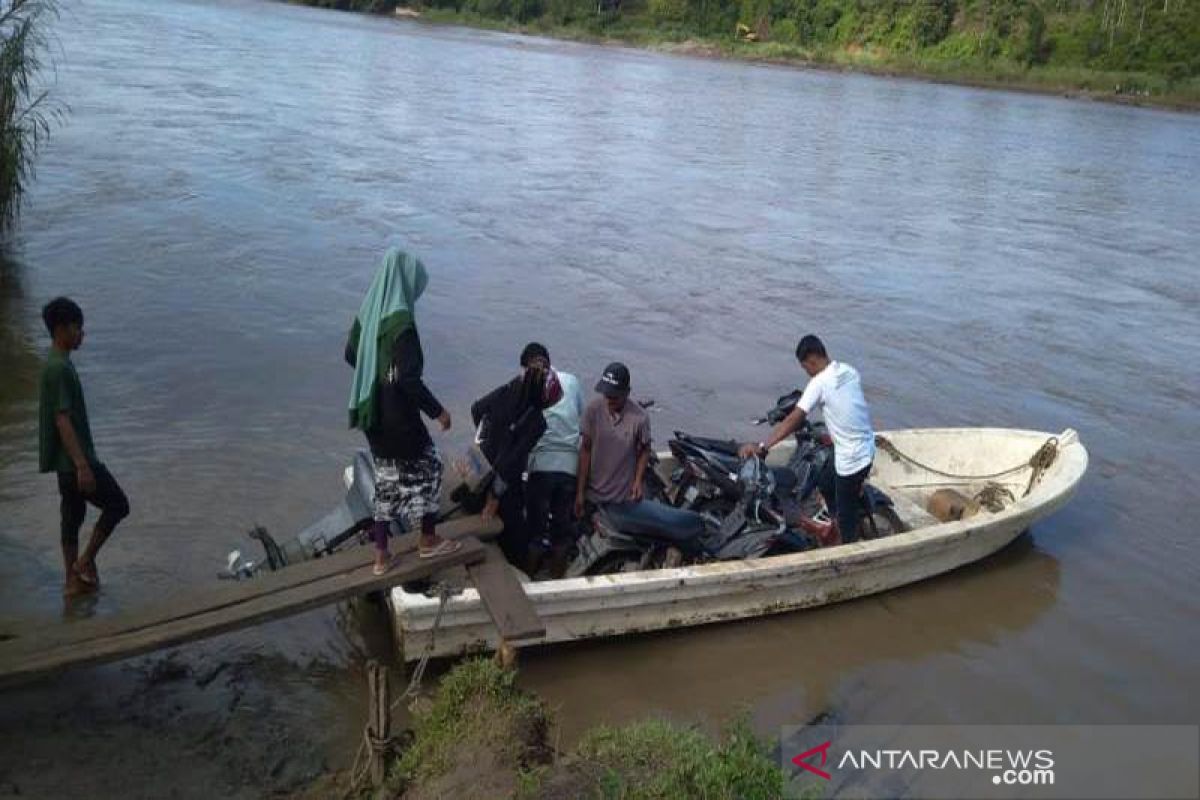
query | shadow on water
(804,662)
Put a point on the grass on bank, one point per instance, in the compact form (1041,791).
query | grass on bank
(483,737)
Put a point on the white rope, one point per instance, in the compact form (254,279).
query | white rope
(1038,463)
(414,684)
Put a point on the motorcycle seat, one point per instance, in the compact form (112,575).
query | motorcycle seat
(726,447)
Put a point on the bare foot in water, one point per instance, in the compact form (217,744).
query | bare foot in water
(87,573)
(74,587)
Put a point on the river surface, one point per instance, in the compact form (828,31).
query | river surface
(228,175)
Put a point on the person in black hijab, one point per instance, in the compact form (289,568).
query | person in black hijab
(510,423)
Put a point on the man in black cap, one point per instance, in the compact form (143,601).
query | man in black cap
(614,445)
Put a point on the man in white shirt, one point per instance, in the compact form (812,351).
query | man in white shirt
(837,389)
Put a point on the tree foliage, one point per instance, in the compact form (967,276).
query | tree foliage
(1158,37)
(25,111)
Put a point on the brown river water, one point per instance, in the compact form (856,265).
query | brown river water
(227,176)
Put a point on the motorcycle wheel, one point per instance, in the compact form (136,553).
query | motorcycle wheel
(614,564)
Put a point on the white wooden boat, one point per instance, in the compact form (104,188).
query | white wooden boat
(632,602)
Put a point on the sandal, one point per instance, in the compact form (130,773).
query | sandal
(381,569)
(444,548)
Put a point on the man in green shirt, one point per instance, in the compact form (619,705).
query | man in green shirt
(65,447)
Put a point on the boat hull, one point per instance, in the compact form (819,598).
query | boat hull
(628,603)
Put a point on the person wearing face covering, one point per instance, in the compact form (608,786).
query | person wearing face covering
(553,464)
(511,422)
(387,399)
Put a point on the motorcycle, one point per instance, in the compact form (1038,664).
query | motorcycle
(622,542)
(706,479)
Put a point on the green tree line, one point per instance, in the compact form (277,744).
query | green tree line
(1152,37)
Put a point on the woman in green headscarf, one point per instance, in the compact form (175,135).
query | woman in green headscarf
(386,401)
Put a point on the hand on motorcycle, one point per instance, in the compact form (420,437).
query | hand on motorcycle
(491,507)
(636,492)
(751,449)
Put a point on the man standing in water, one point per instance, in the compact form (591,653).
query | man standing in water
(386,400)
(65,447)
(837,389)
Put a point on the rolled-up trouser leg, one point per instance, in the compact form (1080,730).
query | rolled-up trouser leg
(72,509)
(110,499)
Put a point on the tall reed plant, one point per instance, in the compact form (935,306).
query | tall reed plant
(27,112)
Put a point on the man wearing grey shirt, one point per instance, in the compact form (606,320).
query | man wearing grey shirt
(615,447)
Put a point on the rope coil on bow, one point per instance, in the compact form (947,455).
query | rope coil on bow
(1039,462)
(993,497)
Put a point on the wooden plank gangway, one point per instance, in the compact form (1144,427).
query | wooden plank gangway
(31,652)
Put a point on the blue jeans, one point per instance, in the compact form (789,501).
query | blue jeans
(657,520)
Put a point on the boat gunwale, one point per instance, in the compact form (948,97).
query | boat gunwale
(1069,470)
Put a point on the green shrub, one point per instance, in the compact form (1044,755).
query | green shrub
(785,30)
(931,21)
(477,701)
(526,10)
(488,8)
(666,11)
(656,759)
(756,14)
(566,12)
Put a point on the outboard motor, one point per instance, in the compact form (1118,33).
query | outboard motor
(346,522)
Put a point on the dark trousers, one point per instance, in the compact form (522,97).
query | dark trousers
(107,497)
(514,539)
(550,507)
(843,497)
(550,510)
